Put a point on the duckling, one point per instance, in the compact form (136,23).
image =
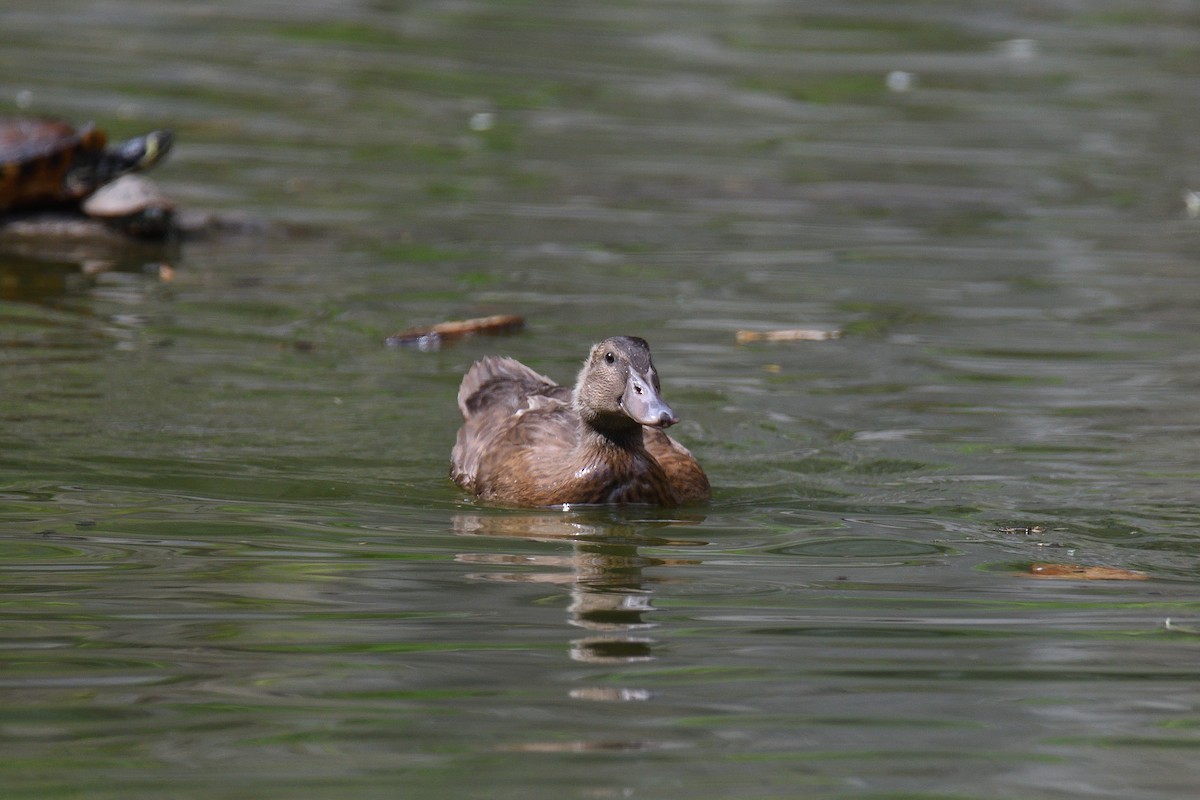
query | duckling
(529,442)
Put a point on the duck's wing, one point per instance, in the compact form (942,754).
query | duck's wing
(498,381)
(513,415)
(684,472)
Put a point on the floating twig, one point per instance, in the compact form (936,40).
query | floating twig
(787,335)
(1082,573)
(430,337)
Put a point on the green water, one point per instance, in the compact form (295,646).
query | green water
(233,565)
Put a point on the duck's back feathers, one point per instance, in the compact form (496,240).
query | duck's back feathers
(684,473)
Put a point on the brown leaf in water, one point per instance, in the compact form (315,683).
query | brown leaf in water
(1081,573)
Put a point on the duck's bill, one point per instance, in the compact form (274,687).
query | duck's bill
(643,404)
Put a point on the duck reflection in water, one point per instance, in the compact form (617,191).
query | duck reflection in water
(604,570)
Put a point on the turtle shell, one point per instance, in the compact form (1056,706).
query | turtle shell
(37,157)
(49,163)
(133,204)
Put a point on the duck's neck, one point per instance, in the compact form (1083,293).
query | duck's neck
(617,440)
(611,432)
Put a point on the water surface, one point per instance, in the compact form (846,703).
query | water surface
(234,566)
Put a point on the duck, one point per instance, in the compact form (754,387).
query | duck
(527,441)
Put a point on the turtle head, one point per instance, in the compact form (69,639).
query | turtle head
(131,155)
(140,152)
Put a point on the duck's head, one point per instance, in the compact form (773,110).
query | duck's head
(618,389)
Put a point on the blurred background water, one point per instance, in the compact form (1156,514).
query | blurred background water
(233,566)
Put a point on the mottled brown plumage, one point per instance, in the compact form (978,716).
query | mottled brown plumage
(527,441)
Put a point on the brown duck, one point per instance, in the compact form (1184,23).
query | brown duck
(529,442)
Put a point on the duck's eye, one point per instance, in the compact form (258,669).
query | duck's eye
(609,357)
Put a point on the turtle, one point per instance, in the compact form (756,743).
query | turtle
(46,163)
